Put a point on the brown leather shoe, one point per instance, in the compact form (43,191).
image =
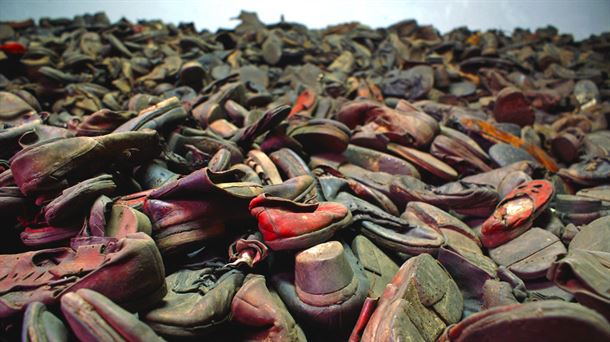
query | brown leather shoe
(53,165)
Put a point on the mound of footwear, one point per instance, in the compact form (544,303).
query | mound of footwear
(276,183)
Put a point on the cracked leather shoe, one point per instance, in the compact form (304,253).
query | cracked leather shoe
(129,271)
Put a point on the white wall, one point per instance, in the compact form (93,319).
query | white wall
(580,18)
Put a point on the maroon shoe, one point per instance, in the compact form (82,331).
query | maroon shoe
(129,271)
(197,207)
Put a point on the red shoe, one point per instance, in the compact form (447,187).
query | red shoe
(287,224)
(516,212)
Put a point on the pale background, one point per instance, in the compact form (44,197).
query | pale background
(581,18)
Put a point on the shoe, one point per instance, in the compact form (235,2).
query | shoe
(286,224)
(154,175)
(300,189)
(108,219)
(320,135)
(512,106)
(213,109)
(424,161)
(129,271)
(38,233)
(553,319)
(376,161)
(411,84)
(104,121)
(198,302)
(464,198)
(264,167)
(289,163)
(529,255)
(458,155)
(262,315)
(197,207)
(245,136)
(160,117)
(94,317)
(516,212)
(511,181)
(52,166)
(463,258)
(495,177)
(590,172)
(406,234)
(74,201)
(506,154)
(406,126)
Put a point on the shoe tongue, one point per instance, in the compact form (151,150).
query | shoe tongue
(323,269)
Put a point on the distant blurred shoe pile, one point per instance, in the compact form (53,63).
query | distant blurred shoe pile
(274,183)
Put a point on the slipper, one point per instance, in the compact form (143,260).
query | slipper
(516,212)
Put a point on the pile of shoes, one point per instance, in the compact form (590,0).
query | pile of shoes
(275,183)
